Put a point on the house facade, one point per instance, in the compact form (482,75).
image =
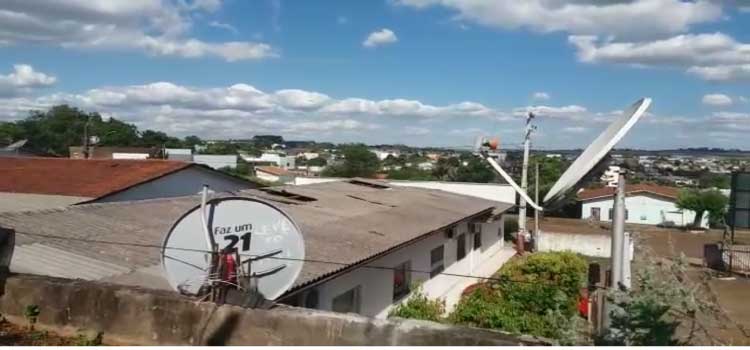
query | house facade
(645,204)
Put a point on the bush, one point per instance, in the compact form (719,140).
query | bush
(420,307)
(538,297)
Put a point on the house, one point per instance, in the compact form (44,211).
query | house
(106,152)
(367,244)
(37,183)
(383,154)
(278,159)
(273,174)
(645,204)
(216,161)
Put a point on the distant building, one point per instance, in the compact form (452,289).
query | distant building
(38,183)
(383,154)
(644,203)
(216,161)
(423,237)
(273,174)
(611,176)
(106,152)
(278,159)
(179,154)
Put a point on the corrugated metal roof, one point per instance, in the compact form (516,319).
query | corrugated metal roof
(40,259)
(337,226)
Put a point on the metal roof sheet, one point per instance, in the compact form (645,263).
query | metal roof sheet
(347,223)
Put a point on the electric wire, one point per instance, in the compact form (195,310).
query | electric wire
(307,260)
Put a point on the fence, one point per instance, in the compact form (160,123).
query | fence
(736,258)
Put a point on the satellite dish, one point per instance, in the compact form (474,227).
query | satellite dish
(597,150)
(259,231)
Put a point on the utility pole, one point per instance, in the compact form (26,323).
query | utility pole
(536,211)
(524,176)
(86,138)
(617,254)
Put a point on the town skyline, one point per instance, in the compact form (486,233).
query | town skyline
(422,73)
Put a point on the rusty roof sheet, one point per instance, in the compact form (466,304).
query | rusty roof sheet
(663,191)
(346,223)
(79,177)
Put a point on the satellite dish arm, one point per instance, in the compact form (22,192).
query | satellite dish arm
(509,180)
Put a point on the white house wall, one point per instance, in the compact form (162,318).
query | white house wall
(376,285)
(188,181)
(643,209)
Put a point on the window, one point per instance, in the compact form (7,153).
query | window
(436,261)
(596,213)
(347,301)
(460,246)
(401,280)
(477,240)
(611,214)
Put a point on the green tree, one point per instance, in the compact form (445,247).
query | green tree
(358,162)
(410,173)
(712,202)
(477,170)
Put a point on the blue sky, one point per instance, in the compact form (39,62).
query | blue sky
(420,72)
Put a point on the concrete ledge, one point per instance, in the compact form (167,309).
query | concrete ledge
(126,315)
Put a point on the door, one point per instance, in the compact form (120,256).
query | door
(596,213)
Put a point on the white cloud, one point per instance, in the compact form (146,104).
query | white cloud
(381,37)
(221,25)
(416,131)
(717,100)
(540,96)
(23,79)
(715,56)
(575,129)
(571,112)
(588,17)
(157,27)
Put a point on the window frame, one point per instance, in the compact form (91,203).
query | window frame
(399,292)
(437,266)
(356,300)
(460,247)
(477,239)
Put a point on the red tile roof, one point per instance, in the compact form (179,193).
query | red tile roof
(273,170)
(78,177)
(664,191)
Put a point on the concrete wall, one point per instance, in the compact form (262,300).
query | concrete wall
(592,245)
(376,285)
(188,181)
(142,317)
(644,209)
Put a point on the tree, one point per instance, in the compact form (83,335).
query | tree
(711,201)
(477,170)
(358,162)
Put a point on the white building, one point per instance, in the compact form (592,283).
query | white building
(216,161)
(273,174)
(383,154)
(278,159)
(611,175)
(366,243)
(645,204)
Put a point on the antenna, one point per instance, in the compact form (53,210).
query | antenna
(597,150)
(243,235)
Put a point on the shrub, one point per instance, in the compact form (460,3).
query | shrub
(420,307)
(537,295)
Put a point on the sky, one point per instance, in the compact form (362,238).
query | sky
(417,72)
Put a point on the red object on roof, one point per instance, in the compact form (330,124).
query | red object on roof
(273,170)
(79,177)
(605,192)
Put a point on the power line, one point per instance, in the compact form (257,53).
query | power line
(153,246)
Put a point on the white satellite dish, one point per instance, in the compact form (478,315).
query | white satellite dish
(597,150)
(258,230)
